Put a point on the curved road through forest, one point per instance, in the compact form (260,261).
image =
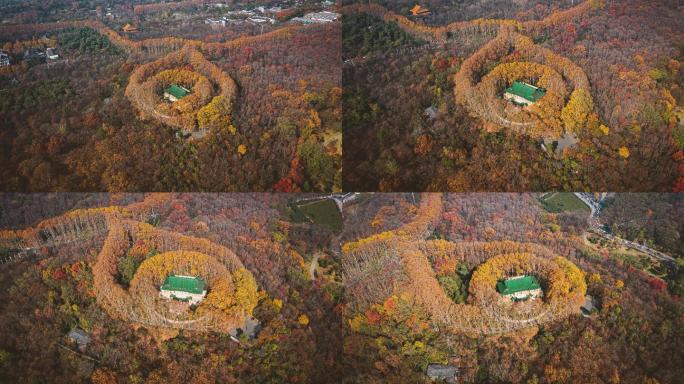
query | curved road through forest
(597,228)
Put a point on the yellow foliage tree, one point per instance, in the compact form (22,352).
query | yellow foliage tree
(574,114)
(303,320)
(246,295)
(624,152)
(242,149)
(214,115)
(278,303)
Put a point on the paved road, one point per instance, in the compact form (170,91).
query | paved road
(588,199)
(631,244)
(597,228)
(340,199)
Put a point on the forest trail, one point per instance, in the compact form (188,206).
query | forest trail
(313,267)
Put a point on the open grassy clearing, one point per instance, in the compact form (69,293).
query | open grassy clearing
(558,202)
(322,212)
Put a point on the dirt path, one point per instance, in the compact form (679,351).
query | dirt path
(313,267)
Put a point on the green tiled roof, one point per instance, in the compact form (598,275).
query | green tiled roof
(184,284)
(176,91)
(526,91)
(518,284)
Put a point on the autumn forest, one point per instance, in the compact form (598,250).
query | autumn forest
(406,287)
(263,111)
(427,96)
(342,191)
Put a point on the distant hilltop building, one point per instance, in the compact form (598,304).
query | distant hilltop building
(34,54)
(129,28)
(51,54)
(190,289)
(318,18)
(4,59)
(588,307)
(418,10)
(261,20)
(79,337)
(211,21)
(519,288)
(445,373)
(431,112)
(523,94)
(175,92)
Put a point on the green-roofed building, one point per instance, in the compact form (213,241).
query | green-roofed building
(184,288)
(523,94)
(519,288)
(175,92)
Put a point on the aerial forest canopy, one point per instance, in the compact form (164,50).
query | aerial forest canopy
(438,116)
(363,33)
(85,40)
(407,282)
(99,270)
(483,314)
(234,291)
(259,115)
(422,283)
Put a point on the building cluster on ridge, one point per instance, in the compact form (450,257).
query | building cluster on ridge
(270,15)
(31,55)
